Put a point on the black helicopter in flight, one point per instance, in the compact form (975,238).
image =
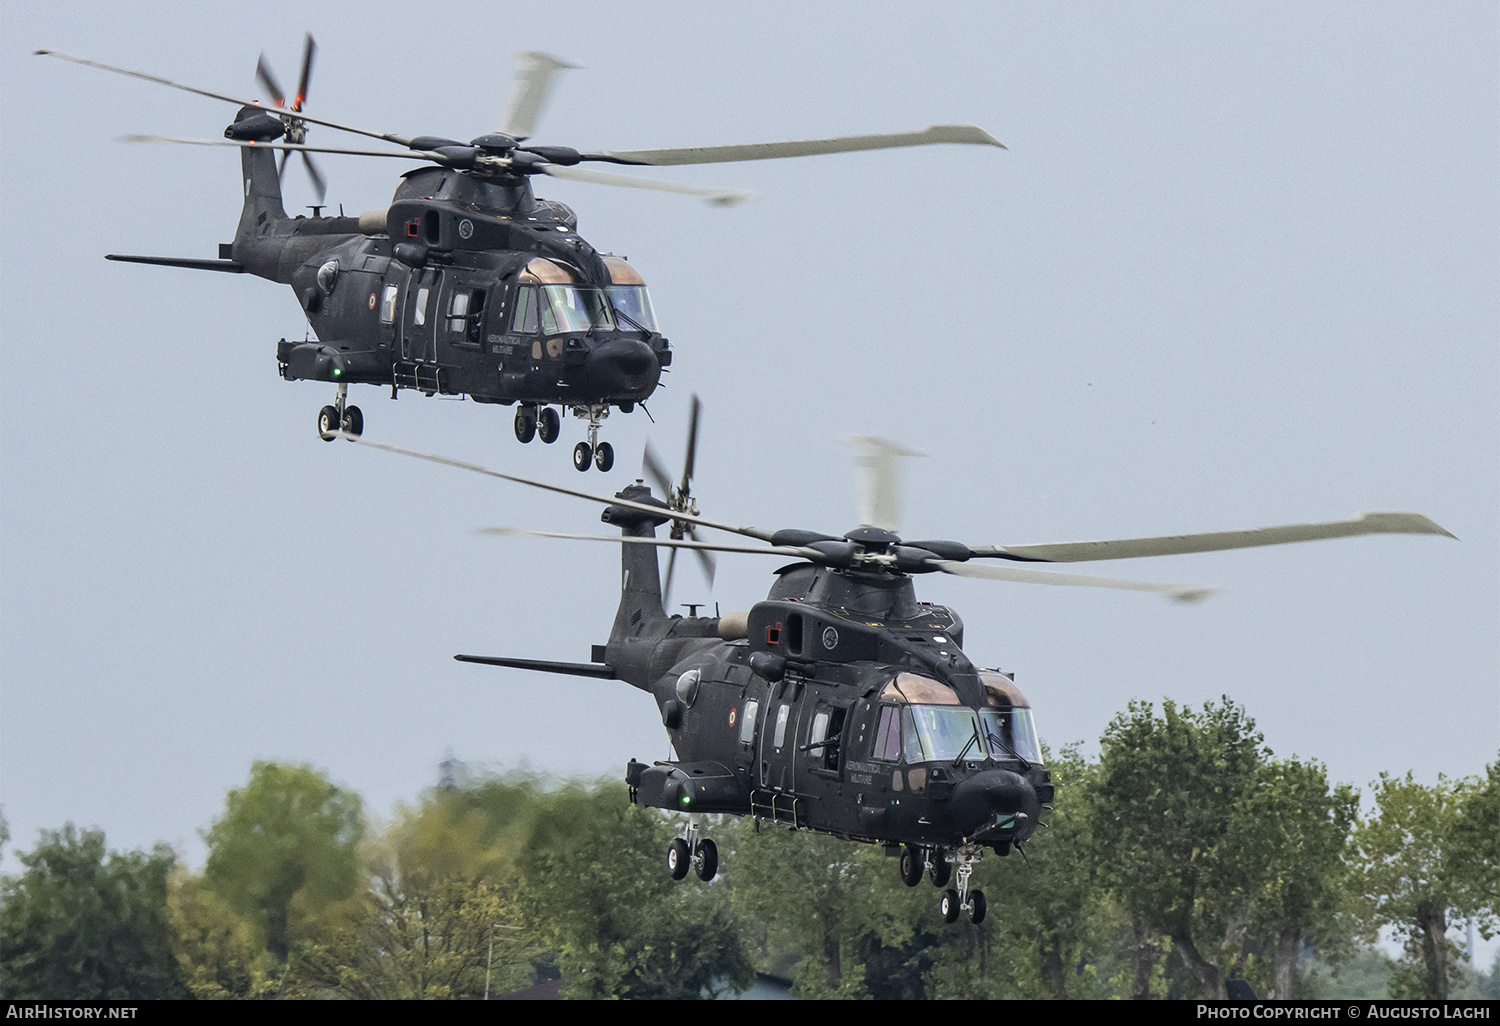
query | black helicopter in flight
(842,703)
(467,284)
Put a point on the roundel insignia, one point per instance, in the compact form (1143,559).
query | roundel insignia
(465,228)
(830,638)
(372,300)
(731,716)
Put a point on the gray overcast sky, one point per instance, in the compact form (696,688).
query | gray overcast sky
(1237,268)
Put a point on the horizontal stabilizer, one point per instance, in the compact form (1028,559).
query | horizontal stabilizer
(232,266)
(543,665)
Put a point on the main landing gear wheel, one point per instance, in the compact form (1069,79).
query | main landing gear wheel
(911,866)
(604,456)
(678,858)
(328,423)
(582,456)
(939,870)
(948,906)
(707,862)
(548,424)
(976,907)
(353,422)
(525,424)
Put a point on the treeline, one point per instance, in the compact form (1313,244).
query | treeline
(1188,855)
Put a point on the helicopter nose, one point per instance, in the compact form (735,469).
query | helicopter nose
(993,796)
(622,369)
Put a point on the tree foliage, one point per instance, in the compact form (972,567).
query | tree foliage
(287,836)
(1423,869)
(87,924)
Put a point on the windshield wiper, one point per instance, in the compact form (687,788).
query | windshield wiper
(967,745)
(990,736)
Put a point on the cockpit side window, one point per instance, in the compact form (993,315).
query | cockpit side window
(888,735)
(525,321)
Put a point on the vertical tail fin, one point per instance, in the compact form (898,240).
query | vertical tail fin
(262,181)
(640,579)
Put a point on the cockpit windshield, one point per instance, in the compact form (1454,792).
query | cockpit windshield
(633,303)
(944,732)
(938,732)
(568,308)
(1010,733)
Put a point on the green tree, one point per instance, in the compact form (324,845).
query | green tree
(439,919)
(219,955)
(86,924)
(1417,873)
(595,888)
(1163,807)
(288,843)
(1290,829)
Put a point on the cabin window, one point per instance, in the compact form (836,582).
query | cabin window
(1011,733)
(419,314)
(388,304)
(633,304)
(819,729)
(747,722)
(525,320)
(782,714)
(458,306)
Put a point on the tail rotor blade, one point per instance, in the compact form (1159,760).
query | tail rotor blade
(706,559)
(651,466)
(267,79)
(320,184)
(309,49)
(692,445)
(666,587)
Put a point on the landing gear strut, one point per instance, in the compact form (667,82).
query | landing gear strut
(601,454)
(962,900)
(339,417)
(684,853)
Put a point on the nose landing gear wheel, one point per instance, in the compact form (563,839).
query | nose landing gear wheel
(948,906)
(707,862)
(911,866)
(353,422)
(548,424)
(604,456)
(582,456)
(976,907)
(678,858)
(328,423)
(525,424)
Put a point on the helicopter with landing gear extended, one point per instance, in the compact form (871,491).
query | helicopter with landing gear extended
(467,284)
(842,704)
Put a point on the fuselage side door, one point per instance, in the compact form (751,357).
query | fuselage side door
(419,319)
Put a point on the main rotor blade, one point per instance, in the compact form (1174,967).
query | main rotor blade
(399,140)
(1176,592)
(302,147)
(661,543)
(805,148)
(1176,544)
(880,481)
(610,500)
(715,197)
(533,86)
